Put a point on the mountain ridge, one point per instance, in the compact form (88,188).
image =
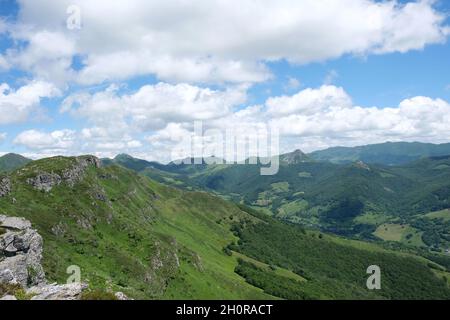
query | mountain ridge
(130,234)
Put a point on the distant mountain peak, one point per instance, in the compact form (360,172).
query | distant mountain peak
(295,157)
(123,156)
(12,161)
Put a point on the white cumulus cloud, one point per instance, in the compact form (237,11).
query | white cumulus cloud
(212,40)
(17,105)
(60,140)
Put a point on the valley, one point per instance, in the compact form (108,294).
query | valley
(158,231)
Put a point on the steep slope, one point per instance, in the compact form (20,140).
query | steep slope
(127,232)
(390,153)
(12,161)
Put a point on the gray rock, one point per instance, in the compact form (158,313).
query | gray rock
(45,181)
(75,174)
(6,276)
(14,223)
(5,187)
(8,297)
(21,247)
(90,161)
(70,291)
(20,263)
(121,296)
(84,223)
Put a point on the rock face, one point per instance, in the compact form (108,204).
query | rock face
(75,174)
(20,263)
(45,181)
(20,252)
(5,186)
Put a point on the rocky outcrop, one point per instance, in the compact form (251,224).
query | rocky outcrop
(20,263)
(5,186)
(71,291)
(45,181)
(75,174)
(20,253)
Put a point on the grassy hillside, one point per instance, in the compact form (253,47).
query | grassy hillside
(132,234)
(129,233)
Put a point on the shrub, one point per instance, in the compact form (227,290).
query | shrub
(8,289)
(14,289)
(98,294)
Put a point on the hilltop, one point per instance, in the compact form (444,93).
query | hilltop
(12,161)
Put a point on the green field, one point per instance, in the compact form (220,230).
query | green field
(399,233)
(292,208)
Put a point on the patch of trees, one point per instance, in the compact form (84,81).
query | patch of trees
(335,270)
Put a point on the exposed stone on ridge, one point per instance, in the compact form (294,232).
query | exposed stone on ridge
(20,263)
(5,186)
(45,181)
(20,253)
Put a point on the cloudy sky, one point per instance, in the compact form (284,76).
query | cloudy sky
(134,75)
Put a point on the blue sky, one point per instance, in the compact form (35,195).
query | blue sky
(135,79)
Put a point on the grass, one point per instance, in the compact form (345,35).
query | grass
(442,214)
(292,208)
(372,218)
(280,187)
(115,242)
(400,233)
(391,232)
(97,294)
(304,174)
(151,241)
(278,270)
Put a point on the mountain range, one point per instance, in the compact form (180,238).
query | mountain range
(158,231)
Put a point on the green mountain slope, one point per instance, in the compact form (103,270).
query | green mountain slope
(12,161)
(351,199)
(128,232)
(131,234)
(390,153)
